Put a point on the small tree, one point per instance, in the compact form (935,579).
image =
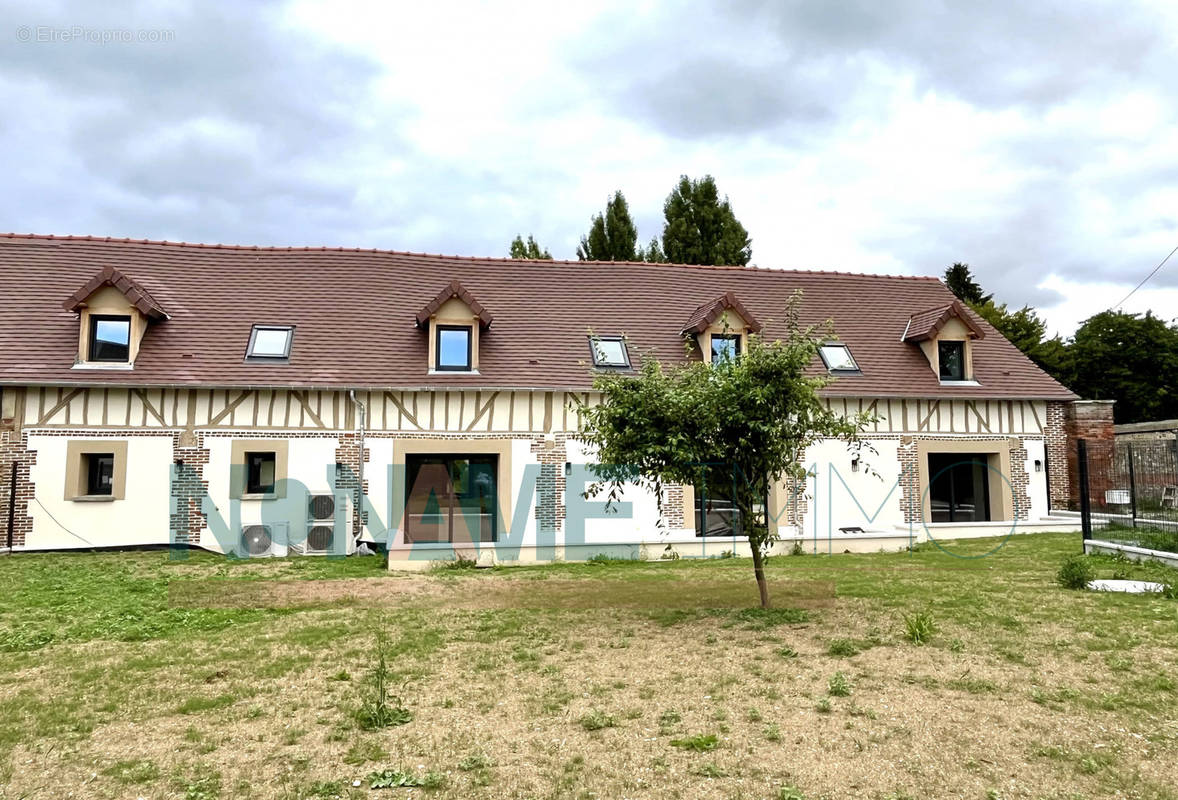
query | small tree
(755,415)
(529,249)
(612,236)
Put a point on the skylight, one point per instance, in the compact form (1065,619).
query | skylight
(837,357)
(270,342)
(609,351)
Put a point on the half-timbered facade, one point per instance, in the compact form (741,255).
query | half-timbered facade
(269,400)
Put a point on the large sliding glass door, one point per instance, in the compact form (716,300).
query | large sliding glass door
(959,487)
(451,498)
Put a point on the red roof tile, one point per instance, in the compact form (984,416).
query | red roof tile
(544,312)
(454,289)
(109,276)
(927,324)
(709,312)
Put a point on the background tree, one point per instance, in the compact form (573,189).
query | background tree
(528,249)
(751,419)
(652,253)
(612,236)
(960,281)
(701,228)
(1130,358)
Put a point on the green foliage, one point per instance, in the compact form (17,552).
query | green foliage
(612,236)
(699,743)
(1129,358)
(843,648)
(838,685)
(404,779)
(790,793)
(1076,572)
(749,421)
(960,281)
(379,708)
(920,627)
(701,228)
(597,720)
(652,253)
(529,249)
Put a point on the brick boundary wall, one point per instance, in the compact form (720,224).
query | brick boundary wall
(1091,420)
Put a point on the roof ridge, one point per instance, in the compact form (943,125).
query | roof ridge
(386,251)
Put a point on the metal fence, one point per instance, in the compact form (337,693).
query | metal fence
(1128,491)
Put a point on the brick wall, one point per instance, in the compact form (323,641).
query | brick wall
(14,448)
(1092,421)
(1056,445)
(188,485)
(550,487)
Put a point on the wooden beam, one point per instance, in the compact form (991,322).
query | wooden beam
(62,403)
(405,413)
(228,409)
(305,402)
(483,410)
(150,408)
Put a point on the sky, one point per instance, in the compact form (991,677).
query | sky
(1037,141)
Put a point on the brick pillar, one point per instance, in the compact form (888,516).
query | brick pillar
(348,453)
(14,447)
(550,487)
(1055,442)
(1091,420)
(189,485)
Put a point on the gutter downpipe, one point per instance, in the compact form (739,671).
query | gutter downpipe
(361,422)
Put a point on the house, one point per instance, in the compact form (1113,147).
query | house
(236,398)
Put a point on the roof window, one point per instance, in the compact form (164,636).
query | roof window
(837,358)
(609,351)
(270,342)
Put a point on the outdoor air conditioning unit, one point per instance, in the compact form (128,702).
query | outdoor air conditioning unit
(320,524)
(256,541)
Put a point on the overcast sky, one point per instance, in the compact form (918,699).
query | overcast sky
(1037,141)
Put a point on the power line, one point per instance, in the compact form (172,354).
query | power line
(1146,279)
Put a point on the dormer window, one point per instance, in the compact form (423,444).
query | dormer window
(725,347)
(110,338)
(721,327)
(453,348)
(114,312)
(951,359)
(270,343)
(946,335)
(609,351)
(454,320)
(837,358)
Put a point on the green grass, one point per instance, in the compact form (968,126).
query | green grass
(578,661)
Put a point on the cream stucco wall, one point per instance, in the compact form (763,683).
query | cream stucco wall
(141,517)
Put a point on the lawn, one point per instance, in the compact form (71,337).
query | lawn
(128,675)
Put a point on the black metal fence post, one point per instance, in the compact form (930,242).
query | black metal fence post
(1085,500)
(1133,485)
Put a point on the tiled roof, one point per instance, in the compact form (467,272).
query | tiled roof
(109,276)
(354,311)
(709,312)
(454,289)
(926,324)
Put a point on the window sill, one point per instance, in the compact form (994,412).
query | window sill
(94,498)
(258,496)
(959,383)
(453,372)
(103,365)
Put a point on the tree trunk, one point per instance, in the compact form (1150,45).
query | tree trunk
(759,571)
